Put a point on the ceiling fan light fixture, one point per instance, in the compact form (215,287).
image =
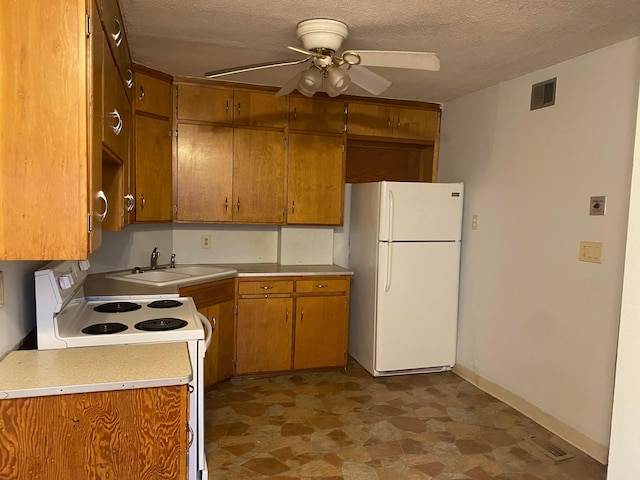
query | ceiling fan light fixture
(310,81)
(337,81)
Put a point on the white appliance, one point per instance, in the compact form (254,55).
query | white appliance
(65,318)
(404,249)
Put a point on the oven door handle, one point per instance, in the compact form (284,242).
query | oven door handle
(208,331)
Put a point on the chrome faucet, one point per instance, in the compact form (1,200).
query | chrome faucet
(173,261)
(154,258)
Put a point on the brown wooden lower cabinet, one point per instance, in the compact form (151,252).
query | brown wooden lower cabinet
(286,323)
(126,434)
(215,300)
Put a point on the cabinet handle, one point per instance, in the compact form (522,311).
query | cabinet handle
(226,108)
(226,204)
(266,287)
(103,197)
(301,314)
(398,124)
(117,128)
(321,285)
(131,202)
(117,36)
(130,78)
(213,324)
(238,204)
(141,97)
(388,122)
(293,207)
(143,202)
(295,113)
(286,316)
(238,108)
(191,436)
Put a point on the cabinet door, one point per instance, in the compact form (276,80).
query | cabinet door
(255,109)
(116,110)
(370,119)
(218,361)
(153,169)
(153,95)
(205,169)
(315,179)
(416,124)
(264,332)
(97,120)
(205,104)
(321,332)
(319,115)
(258,176)
(117,41)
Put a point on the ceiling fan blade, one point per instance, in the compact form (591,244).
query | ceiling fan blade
(255,66)
(392,59)
(306,52)
(370,81)
(290,86)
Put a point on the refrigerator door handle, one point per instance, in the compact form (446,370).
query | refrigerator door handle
(390,226)
(387,284)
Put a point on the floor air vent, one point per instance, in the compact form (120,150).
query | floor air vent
(543,94)
(549,448)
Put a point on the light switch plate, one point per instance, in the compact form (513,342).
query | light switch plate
(596,206)
(590,252)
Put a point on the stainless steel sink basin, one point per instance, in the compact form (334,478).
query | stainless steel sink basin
(182,274)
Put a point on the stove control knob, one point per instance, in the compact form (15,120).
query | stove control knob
(84,265)
(65,281)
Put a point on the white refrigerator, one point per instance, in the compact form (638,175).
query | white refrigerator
(404,249)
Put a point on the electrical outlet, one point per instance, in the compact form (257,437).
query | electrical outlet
(474,222)
(206,241)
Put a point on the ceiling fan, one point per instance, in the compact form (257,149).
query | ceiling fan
(333,73)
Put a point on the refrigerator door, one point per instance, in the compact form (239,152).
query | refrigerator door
(420,211)
(417,305)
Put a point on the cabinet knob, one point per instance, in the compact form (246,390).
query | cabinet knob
(103,197)
(321,285)
(266,287)
(143,202)
(141,96)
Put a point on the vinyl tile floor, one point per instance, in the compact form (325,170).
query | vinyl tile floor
(346,424)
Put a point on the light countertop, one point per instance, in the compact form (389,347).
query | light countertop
(98,285)
(36,373)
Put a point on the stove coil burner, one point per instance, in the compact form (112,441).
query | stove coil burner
(117,307)
(161,324)
(164,304)
(104,328)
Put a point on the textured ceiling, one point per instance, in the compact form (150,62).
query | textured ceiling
(480,43)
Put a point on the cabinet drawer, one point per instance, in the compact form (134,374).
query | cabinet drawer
(322,285)
(265,287)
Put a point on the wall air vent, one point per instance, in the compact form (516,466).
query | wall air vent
(543,94)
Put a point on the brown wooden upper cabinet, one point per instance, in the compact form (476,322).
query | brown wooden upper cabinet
(153,95)
(237,107)
(316,114)
(117,41)
(383,120)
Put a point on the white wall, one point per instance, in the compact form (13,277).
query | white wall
(17,316)
(533,320)
(624,457)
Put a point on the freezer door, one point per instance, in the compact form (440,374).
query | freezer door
(417,305)
(420,211)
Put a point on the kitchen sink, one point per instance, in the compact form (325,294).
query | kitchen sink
(182,274)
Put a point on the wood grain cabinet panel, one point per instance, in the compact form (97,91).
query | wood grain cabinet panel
(46,189)
(321,331)
(315,114)
(315,179)
(265,332)
(259,183)
(256,109)
(152,95)
(384,120)
(153,169)
(126,434)
(207,104)
(204,173)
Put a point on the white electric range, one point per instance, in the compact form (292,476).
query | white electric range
(65,318)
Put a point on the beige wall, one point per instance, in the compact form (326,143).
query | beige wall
(533,320)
